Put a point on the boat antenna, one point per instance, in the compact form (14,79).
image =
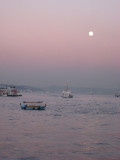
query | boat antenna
(67,86)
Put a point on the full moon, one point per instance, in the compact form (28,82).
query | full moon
(91,33)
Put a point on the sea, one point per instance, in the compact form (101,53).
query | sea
(85,127)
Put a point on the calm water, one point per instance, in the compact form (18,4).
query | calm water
(86,127)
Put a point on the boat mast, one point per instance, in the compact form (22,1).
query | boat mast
(67,86)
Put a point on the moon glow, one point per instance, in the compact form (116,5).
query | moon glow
(91,33)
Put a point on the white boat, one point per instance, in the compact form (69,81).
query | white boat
(67,93)
(8,91)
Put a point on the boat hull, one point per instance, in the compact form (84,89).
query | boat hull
(25,107)
(70,96)
(14,95)
(67,94)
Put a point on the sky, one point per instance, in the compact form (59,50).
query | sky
(46,43)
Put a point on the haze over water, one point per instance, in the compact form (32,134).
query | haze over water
(46,42)
(86,127)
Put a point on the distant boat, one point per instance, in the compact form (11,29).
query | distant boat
(26,105)
(66,93)
(9,91)
(117,94)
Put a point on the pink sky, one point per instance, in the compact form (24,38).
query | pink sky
(46,42)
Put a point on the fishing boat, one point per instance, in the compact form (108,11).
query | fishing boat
(26,105)
(67,93)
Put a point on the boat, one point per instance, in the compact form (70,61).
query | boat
(117,95)
(67,93)
(9,91)
(38,105)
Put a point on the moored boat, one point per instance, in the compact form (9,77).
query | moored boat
(9,91)
(117,95)
(67,93)
(38,105)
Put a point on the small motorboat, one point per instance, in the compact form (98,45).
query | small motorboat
(26,105)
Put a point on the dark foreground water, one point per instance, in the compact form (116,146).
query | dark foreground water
(86,127)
